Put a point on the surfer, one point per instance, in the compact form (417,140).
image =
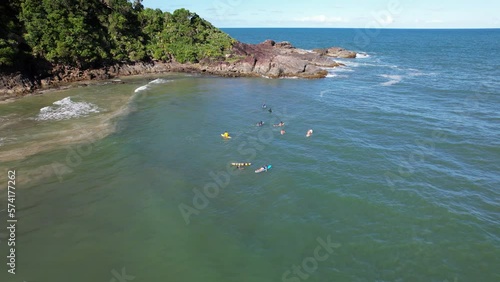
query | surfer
(279,124)
(309,133)
(264,168)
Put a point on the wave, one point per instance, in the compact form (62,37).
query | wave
(66,109)
(362,55)
(336,74)
(393,79)
(159,81)
(142,88)
(156,81)
(415,72)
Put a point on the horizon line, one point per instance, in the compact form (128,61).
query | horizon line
(441,28)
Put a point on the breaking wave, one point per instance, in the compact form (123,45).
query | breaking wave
(156,81)
(66,109)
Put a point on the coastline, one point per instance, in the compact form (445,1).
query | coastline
(267,59)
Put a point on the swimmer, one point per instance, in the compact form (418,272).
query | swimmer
(260,123)
(283,132)
(309,133)
(279,124)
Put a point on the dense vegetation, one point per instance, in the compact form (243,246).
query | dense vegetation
(93,33)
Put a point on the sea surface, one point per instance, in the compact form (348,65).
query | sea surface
(131,181)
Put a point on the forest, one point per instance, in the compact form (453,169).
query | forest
(94,33)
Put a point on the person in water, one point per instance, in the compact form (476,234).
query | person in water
(270,110)
(264,105)
(283,132)
(279,124)
(226,134)
(309,133)
(260,123)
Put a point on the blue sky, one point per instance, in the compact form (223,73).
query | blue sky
(334,13)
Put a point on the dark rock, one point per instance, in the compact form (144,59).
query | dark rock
(284,44)
(338,52)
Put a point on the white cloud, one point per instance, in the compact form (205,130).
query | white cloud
(321,19)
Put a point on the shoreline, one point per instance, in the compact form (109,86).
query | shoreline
(268,59)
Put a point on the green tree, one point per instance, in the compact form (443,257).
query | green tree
(65,31)
(90,33)
(152,24)
(11,41)
(191,38)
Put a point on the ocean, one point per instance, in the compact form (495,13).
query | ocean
(132,181)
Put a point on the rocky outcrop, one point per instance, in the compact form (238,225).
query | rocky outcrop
(335,52)
(269,59)
(274,60)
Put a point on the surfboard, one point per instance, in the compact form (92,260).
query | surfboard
(268,167)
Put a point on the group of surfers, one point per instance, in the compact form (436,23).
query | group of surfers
(226,135)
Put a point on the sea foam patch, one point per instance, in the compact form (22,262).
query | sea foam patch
(159,81)
(66,109)
(362,55)
(393,79)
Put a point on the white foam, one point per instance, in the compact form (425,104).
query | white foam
(66,109)
(393,79)
(2,139)
(331,74)
(159,81)
(415,72)
(142,88)
(362,55)
(349,63)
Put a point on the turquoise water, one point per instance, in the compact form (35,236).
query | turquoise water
(401,175)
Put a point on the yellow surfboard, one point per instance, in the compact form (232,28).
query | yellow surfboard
(241,164)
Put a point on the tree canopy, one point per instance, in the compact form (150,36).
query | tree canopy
(92,33)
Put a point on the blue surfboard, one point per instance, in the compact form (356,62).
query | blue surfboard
(260,169)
